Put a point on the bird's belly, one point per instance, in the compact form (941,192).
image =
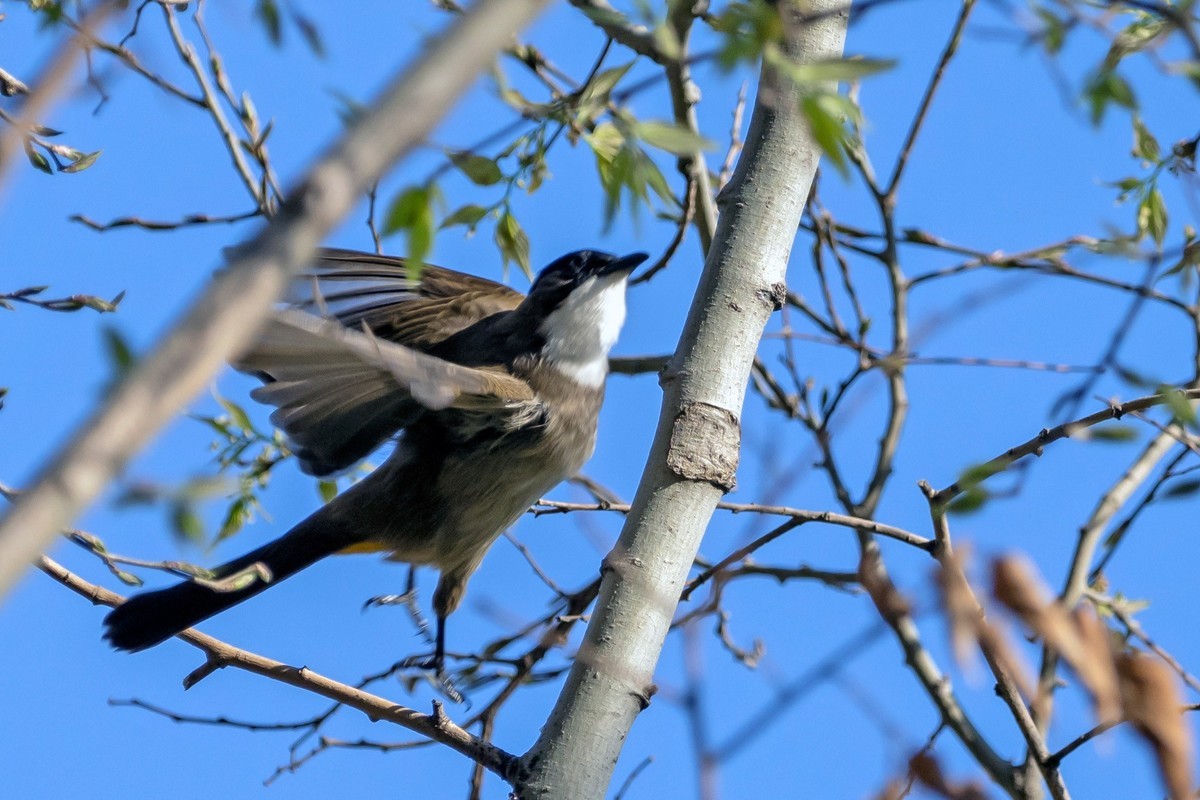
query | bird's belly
(487,504)
(449,514)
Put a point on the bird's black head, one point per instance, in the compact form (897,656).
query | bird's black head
(566,274)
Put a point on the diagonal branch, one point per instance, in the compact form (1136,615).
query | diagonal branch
(49,84)
(1034,446)
(696,448)
(184,360)
(436,726)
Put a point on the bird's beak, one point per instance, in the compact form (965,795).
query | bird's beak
(624,264)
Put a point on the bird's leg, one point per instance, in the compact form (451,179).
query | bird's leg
(409,601)
(439,651)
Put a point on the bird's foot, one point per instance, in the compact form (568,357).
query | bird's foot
(409,601)
(439,678)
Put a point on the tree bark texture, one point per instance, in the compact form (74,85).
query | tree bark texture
(694,457)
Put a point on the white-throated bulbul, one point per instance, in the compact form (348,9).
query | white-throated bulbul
(496,395)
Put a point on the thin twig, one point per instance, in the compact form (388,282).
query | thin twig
(801,515)
(219,654)
(161,225)
(1034,446)
(931,88)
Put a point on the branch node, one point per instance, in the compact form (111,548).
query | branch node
(705,442)
(644,696)
(210,665)
(440,720)
(775,296)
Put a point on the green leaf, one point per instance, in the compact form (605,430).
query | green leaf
(1145,146)
(1114,433)
(469,215)
(236,516)
(38,160)
(1137,379)
(202,488)
(186,522)
(606,140)
(127,578)
(83,162)
(1127,186)
(348,109)
(826,129)
(310,32)
(978,473)
(1106,87)
(969,501)
(120,355)
(1152,216)
(605,16)
(268,13)
(412,212)
(237,414)
(671,136)
(481,170)
(1054,30)
(748,28)
(1180,406)
(512,242)
(1137,36)
(104,306)
(595,96)
(666,41)
(328,490)
(406,209)
(1189,258)
(835,70)
(600,87)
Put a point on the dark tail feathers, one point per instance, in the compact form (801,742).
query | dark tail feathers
(146,619)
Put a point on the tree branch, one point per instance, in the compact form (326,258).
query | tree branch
(1034,446)
(229,311)
(436,726)
(695,452)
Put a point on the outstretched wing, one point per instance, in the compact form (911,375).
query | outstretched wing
(356,288)
(340,393)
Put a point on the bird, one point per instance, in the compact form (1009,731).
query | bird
(494,396)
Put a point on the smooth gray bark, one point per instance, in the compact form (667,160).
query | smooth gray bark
(695,453)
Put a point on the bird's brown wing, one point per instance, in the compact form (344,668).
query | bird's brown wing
(357,288)
(340,393)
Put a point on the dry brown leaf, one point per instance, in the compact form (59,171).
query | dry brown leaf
(1097,669)
(969,625)
(894,790)
(891,603)
(928,772)
(1015,584)
(1080,639)
(1152,703)
(964,617)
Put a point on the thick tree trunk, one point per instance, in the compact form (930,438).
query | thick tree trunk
(695,452)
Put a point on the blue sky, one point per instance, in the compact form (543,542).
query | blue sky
(1008,161)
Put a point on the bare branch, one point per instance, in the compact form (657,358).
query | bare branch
(1034,446)
(229,311)
(49,85)
(218,654)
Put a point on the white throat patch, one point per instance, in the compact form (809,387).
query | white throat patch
(581,331)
